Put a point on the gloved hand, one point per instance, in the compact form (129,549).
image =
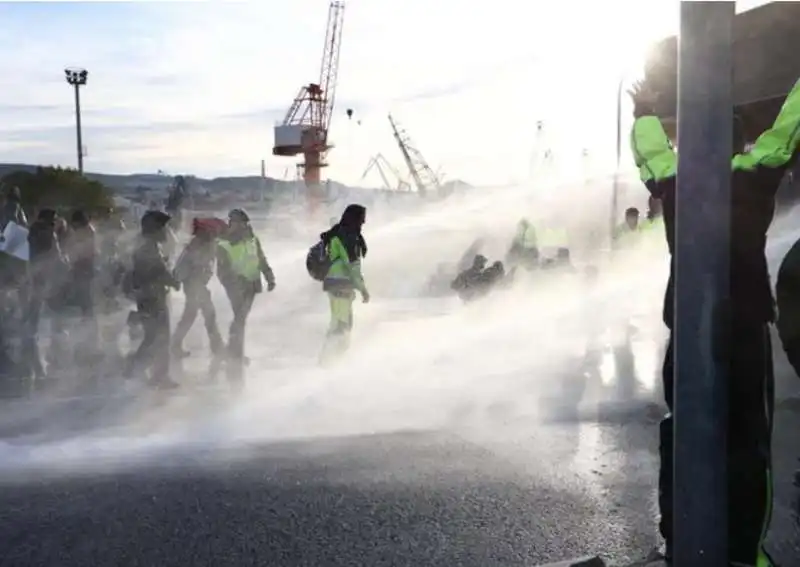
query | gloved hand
(270,285)
(644,99)
(365,296)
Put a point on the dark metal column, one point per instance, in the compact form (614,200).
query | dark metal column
(78,125)
(705,112)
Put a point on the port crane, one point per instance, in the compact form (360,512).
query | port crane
(424,177)
(304,130)
(380,163)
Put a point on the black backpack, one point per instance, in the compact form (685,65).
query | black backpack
(317,261)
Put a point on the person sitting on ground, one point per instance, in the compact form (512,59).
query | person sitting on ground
(468,282)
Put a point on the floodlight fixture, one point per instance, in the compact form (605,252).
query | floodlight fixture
(76,76)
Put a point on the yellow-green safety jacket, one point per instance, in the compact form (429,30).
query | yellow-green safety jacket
(241,262)
(756,176)
(526,237)
(344,275)
(243,257)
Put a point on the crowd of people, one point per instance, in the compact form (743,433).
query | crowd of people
(78,271)
(81,274)
(85,276)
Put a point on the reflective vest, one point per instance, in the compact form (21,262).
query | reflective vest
(345,272)
(554,238)
(243,256)
(625,236)
(526,237)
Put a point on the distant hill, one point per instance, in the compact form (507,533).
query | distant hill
(130,182)
(269,187)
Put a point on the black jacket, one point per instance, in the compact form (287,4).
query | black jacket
(46,264)
(150,276)
(752,210)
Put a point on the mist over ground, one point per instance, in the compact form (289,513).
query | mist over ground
(551,347)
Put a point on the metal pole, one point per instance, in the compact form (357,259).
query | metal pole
(78,125)
(615,186)
(705,122)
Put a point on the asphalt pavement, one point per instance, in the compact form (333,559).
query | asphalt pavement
(491,485)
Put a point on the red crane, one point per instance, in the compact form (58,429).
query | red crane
(304,130)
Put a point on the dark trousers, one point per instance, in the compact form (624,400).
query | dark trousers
(241,298)
(751,406)
(198,299)
(33,315)
(86,338)
(153,352)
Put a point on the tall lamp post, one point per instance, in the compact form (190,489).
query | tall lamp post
(77,78)
(702,282)
(615,186)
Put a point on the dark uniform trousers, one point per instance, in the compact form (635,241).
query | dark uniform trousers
(241,297)
(751,406)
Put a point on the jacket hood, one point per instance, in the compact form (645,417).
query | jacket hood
(349,230)
(353,217)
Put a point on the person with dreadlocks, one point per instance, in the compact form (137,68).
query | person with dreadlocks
(345,247)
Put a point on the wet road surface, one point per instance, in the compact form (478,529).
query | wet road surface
(491,486)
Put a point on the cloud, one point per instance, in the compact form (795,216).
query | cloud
(199,86)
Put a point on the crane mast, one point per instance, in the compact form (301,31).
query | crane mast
(329,70)
(304,129)
(424,177)
(380,163)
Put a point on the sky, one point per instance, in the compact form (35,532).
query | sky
(197,87)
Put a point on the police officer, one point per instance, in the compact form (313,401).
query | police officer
(756,175)
(240,264)
(151,280)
